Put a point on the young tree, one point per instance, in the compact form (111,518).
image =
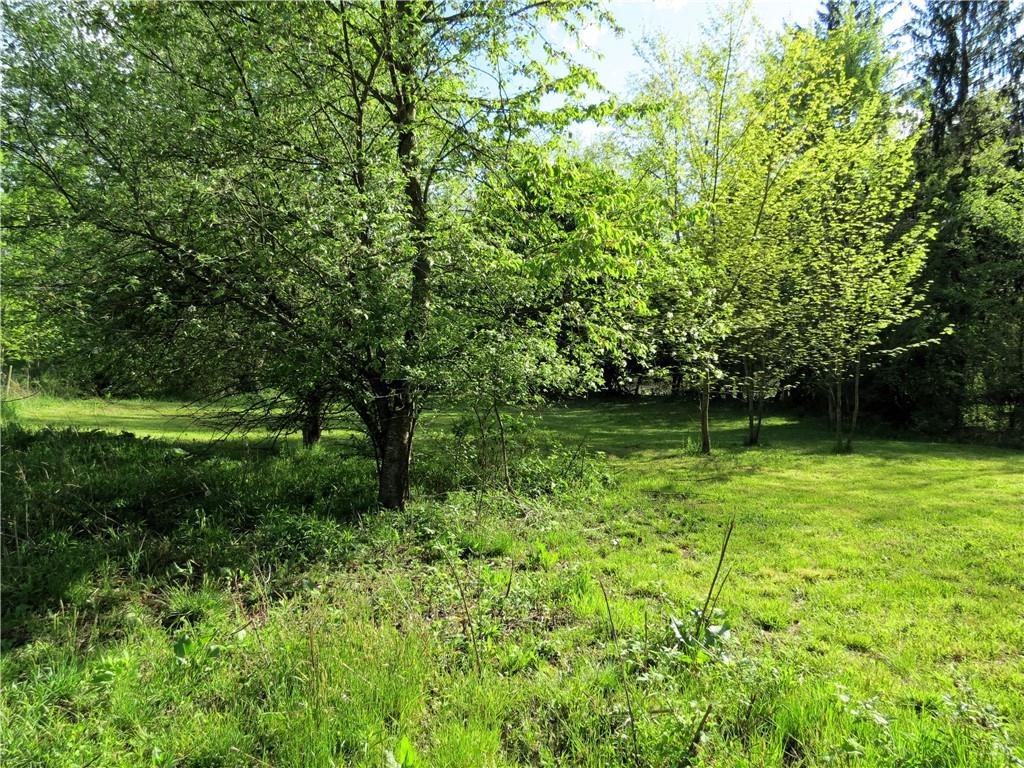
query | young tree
(689,138)
(722,139)
(800,86)
(860,248)
(810,81)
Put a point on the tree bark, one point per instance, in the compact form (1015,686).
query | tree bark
(856,407)
(504,446)
(751,393)
(839,415)
(831,407)
(391,418)
(391,423)
(760,419)
(313,421)
(395,455)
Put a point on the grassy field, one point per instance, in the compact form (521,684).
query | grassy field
(171,603)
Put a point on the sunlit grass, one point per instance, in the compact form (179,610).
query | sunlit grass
(874,599)
(163,419)
(896,571)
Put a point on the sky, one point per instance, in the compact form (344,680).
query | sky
(681,20)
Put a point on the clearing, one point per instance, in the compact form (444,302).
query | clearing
(167,602)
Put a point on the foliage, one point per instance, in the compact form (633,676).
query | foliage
(299,216)
(967,58)
(784,183)
(477,452)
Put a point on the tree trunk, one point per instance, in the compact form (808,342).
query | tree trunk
(394,453)
(677,383)
(839,415)
(705,406)
(390,421)
(831,407)
(856,408)
(393,473)
(504,446)
(313,422)
(391,418)
(750,393)
(751,430)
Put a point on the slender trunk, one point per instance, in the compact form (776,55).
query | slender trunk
(504,446)
(760,419)
(750,394)
(831,407)
(677,383)
(705,405)
(313,421)
(751,428)
(839,415)
(856,407)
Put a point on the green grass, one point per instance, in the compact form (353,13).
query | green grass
(168,603)
(164,419)
(150,418)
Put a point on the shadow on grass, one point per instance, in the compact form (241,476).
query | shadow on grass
(663,427)
(86,511)
(625,429)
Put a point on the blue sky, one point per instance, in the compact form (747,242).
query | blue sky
(681,20)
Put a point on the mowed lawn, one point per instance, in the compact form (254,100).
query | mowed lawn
(876,605)
(897,571)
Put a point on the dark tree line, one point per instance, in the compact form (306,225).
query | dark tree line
(968,61)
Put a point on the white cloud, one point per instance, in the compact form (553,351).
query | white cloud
(587,132)
(587,39)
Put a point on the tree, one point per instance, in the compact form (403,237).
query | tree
(803,84)
(306,166)
(722,139)
(991,237)
(835,14)
(968,59)
(862,250)
(693,114)
(963,48)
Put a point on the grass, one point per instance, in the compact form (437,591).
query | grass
(169,603)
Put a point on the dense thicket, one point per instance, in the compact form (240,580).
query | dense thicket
(969,62)
(298,200)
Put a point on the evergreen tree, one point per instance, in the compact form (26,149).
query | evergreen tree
(968,61)
(962,49)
